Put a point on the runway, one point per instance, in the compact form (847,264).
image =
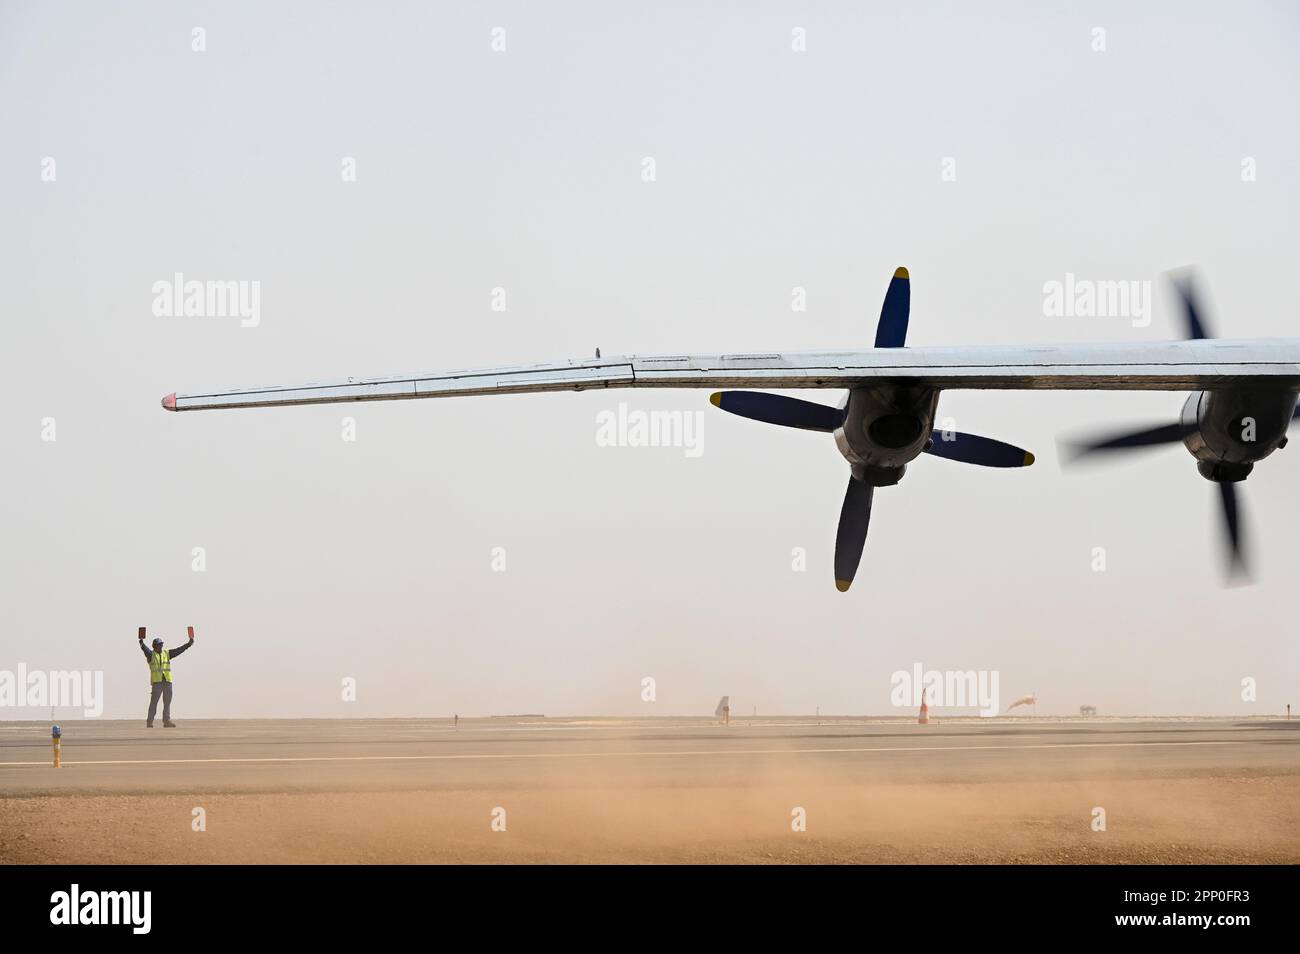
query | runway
(609,789)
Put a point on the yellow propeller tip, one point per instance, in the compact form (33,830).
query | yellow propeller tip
(843,585)
(901,272)
(716,399)
(1029,458)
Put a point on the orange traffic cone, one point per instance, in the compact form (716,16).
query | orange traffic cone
(925,713)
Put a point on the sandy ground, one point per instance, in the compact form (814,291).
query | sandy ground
(422,791)
(1170,821)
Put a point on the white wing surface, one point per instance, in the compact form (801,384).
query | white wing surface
(1133,366)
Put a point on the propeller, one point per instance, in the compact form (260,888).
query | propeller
(779,409)
(855,513)
(851,534)
(1232,523)
(891,330)
(1160,434)
(1128,440)
(973,449)
(1185,285)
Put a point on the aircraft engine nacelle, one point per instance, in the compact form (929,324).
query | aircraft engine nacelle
(1228,431)
(885,428)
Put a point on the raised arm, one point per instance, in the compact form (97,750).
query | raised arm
(180,649)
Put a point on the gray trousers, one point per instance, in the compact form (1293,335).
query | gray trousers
(163,689)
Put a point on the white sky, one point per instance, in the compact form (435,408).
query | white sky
(522,169)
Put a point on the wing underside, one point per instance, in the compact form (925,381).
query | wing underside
(1159,366)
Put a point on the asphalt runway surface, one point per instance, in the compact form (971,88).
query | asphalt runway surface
(314,755)
(662,790)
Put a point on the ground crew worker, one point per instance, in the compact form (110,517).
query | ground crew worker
(160,676)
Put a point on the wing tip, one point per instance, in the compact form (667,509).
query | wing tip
(169,402)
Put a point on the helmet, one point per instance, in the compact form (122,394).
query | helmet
(157,644)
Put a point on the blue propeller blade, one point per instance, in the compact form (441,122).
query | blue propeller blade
(1193,314)
(972,449)
(779,409)
(1232,525)
(851,534)
(1147,437)
(891,331)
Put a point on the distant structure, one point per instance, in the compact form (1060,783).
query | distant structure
(1087,711)
(723,711)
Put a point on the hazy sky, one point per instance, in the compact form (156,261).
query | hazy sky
(522,169)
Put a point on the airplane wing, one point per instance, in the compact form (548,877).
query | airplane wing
(1206,364)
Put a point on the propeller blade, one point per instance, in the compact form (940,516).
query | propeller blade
(891,330)
(973,449)
(1193,314)
(851,535)
(1150,437)
(1232,523)
(778,409)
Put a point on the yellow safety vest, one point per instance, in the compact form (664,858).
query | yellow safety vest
(160,667)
